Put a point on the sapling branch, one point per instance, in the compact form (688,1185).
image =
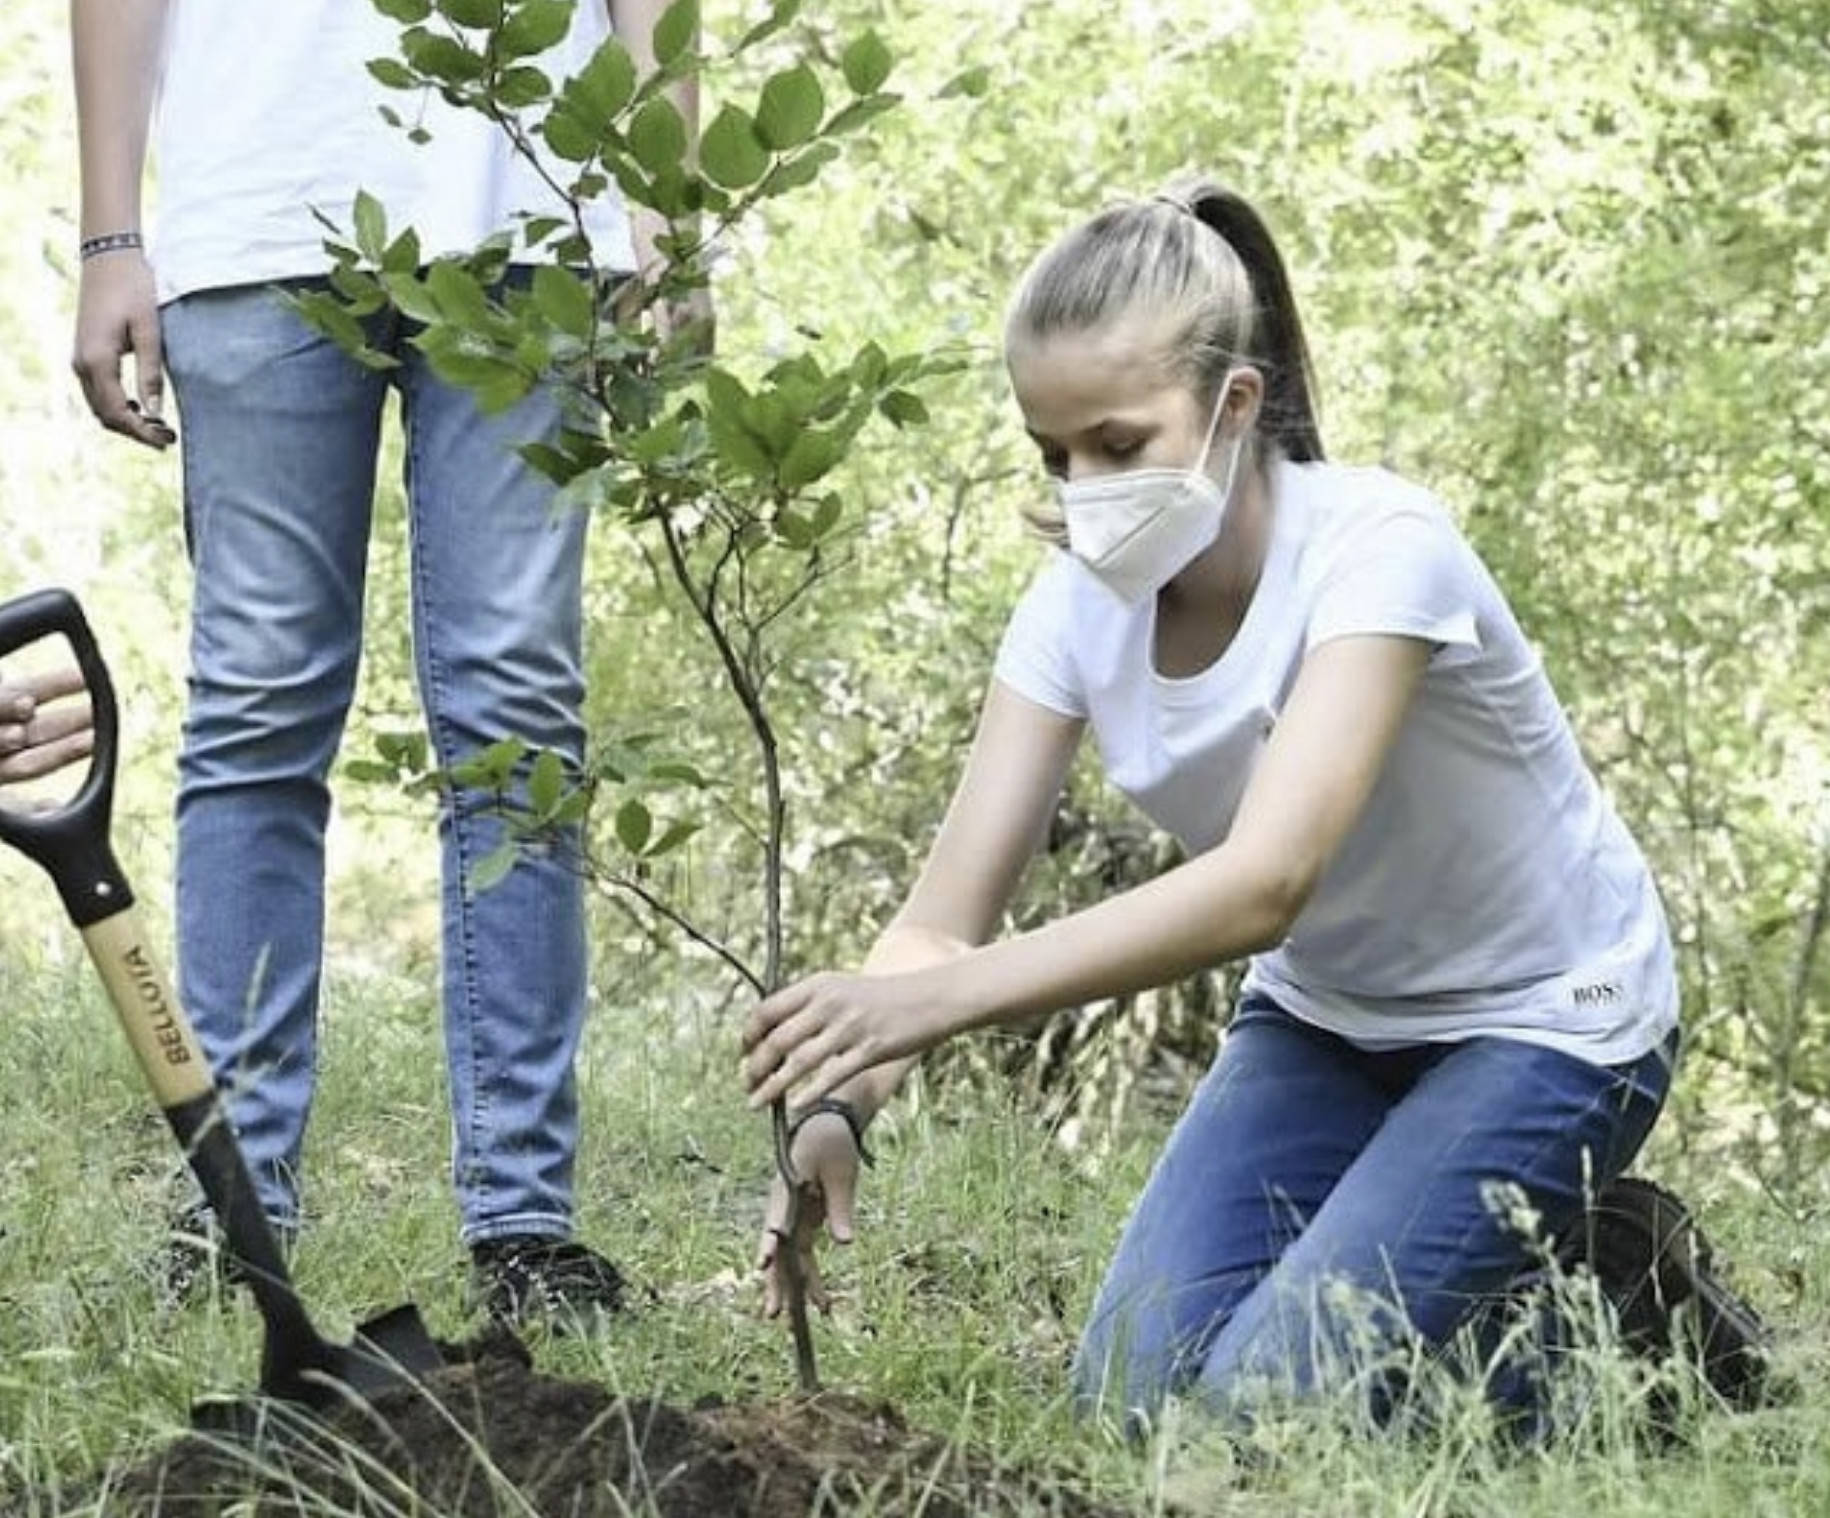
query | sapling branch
(630,886)
(775,807)
(818,570)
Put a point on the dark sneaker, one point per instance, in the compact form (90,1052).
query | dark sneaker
(1656,1268)
(522,1276)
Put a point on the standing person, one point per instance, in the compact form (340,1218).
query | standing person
(1461,982)
(265,114)
(42,728)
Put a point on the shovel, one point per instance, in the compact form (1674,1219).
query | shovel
(298,1365)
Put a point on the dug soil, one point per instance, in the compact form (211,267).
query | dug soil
(488,1437)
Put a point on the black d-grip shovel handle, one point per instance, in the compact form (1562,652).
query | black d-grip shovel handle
(71,842)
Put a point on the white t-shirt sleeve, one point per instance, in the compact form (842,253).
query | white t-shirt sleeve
(1406,573)
(1034,659)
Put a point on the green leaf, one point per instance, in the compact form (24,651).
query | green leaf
(472,12)
(493,868)
(791,107)
(404,749)
(730,153)
(860,113)
(725,393)
(371,227)
(826,515)
(444,58)
(558,467)
(459,295)
(604,85)
(793,529)
(518,88)
(537,229)
(657,135)
(675,31)
(411,297)
(737,447)
(812,454)
(802,169)
(405,10)
(546,783)
(572,250)
(393,73)
(676,771)
(972,82)
(572,807)
(653,444)
(402,255)
(564,299)
(325,312)
(670,191)
(536,26)
(727,406)
(370,771)
(676,833)
(770,418)
(866,63)
(634,823)
(569,136)
(500,758)
(868,364)
(780,14)
(494,383)
(533,348)
(502,391)
(362,293)
(903,408)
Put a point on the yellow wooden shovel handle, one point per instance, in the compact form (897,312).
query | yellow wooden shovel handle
(155,1025)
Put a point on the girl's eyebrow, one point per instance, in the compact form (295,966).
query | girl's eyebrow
(1142,428)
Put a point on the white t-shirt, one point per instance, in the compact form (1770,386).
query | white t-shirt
(1489,886)
(267,110)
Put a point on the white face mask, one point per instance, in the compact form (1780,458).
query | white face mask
(1137,530)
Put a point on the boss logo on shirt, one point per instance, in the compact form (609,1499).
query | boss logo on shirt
(1602,993)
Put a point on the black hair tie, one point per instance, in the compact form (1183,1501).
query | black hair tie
(839,1108)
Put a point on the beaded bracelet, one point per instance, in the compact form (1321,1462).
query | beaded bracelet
(108,242)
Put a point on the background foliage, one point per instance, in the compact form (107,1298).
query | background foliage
(1566,266)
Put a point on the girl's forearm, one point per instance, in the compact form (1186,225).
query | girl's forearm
(1215,908)
(115,46)
(901,948)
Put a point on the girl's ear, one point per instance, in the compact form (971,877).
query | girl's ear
(1244,402)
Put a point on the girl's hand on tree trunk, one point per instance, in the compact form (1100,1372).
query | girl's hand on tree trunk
(813,1036)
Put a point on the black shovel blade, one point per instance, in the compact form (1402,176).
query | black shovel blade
(389,1353)
(392,1350)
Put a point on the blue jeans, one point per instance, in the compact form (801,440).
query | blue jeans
(281,432)
(1319,1205)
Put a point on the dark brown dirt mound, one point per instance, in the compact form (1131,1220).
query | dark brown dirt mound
(490,1438)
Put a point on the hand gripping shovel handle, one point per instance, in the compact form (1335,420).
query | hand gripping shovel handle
(72,843)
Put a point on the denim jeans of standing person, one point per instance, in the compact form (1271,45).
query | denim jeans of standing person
(281,433)
(1319,1205)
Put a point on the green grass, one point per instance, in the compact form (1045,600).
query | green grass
(981,1243)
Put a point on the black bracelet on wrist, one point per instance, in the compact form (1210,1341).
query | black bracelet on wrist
(108,242)
(838,1108)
